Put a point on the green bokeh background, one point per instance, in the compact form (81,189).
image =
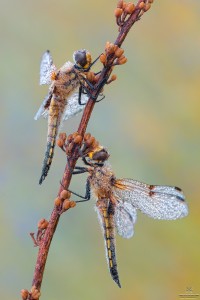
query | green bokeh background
(150,123)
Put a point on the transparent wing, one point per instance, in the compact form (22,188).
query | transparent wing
(73,108)
(46,68)
(125,217)
(44,108)
(158,202)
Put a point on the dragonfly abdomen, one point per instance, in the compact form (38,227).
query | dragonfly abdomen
(53,124)
(107,219)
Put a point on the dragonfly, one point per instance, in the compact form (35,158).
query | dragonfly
(119,200)
(67,96)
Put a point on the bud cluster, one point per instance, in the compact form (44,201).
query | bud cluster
(34,293)
(89,145)
(144,6)
(122,11)
(116,52)
(92,77)
(63,202)
(24,294)
(67,143)
(42,224)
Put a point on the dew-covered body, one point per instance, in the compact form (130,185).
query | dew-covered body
(117,203)
(62,101)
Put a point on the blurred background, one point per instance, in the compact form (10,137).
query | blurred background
(150,123)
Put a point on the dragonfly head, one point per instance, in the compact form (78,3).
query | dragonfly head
(99,155)
(82,59)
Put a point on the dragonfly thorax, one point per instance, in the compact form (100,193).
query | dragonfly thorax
(101,179)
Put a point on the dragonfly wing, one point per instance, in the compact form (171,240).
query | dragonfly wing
(46,68)
(44,108)
(125,217)
(158,202)
(105,211)
(73,107)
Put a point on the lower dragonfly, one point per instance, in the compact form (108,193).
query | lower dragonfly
(118,201)
(66,97)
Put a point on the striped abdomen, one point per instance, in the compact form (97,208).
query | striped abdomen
(55,113)
(105,210)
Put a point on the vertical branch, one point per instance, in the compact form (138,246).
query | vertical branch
(126,15)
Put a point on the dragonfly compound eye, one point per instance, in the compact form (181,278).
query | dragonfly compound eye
(82,58)
(101,155)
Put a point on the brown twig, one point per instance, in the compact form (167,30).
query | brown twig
(126,21)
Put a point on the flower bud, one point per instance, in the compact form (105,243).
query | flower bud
(130,7)
(35,293)
(103,58)
(57,201)
(118,12)
(141,5)
(66,204)
(78,139)
(60,143)
(122,60)
(90,76)
(42,224)
(24,294)
(119,52)
(87,136)
(147,7)
(65,194)
(72,204)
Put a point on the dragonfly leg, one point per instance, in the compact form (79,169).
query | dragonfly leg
(87,193)
(80,92)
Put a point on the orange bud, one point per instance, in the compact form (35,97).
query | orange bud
(147,7)
(42,224)
(35,293)
(62,136)
(66,204)
(75,134)
(65,194)
(130,7)
(90,141)
(78,139)
(24,294)
(57,201)
(119,52)
(113,77)
(95,144)
(122,60)
(103,58)
(107,45)
(72,204)
(60,143)
(118,12)
(90,76)
(115,47)
(141,5)
(111,48)
(87,136)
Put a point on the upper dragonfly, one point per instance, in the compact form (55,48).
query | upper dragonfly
(65,98)
(118,201)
